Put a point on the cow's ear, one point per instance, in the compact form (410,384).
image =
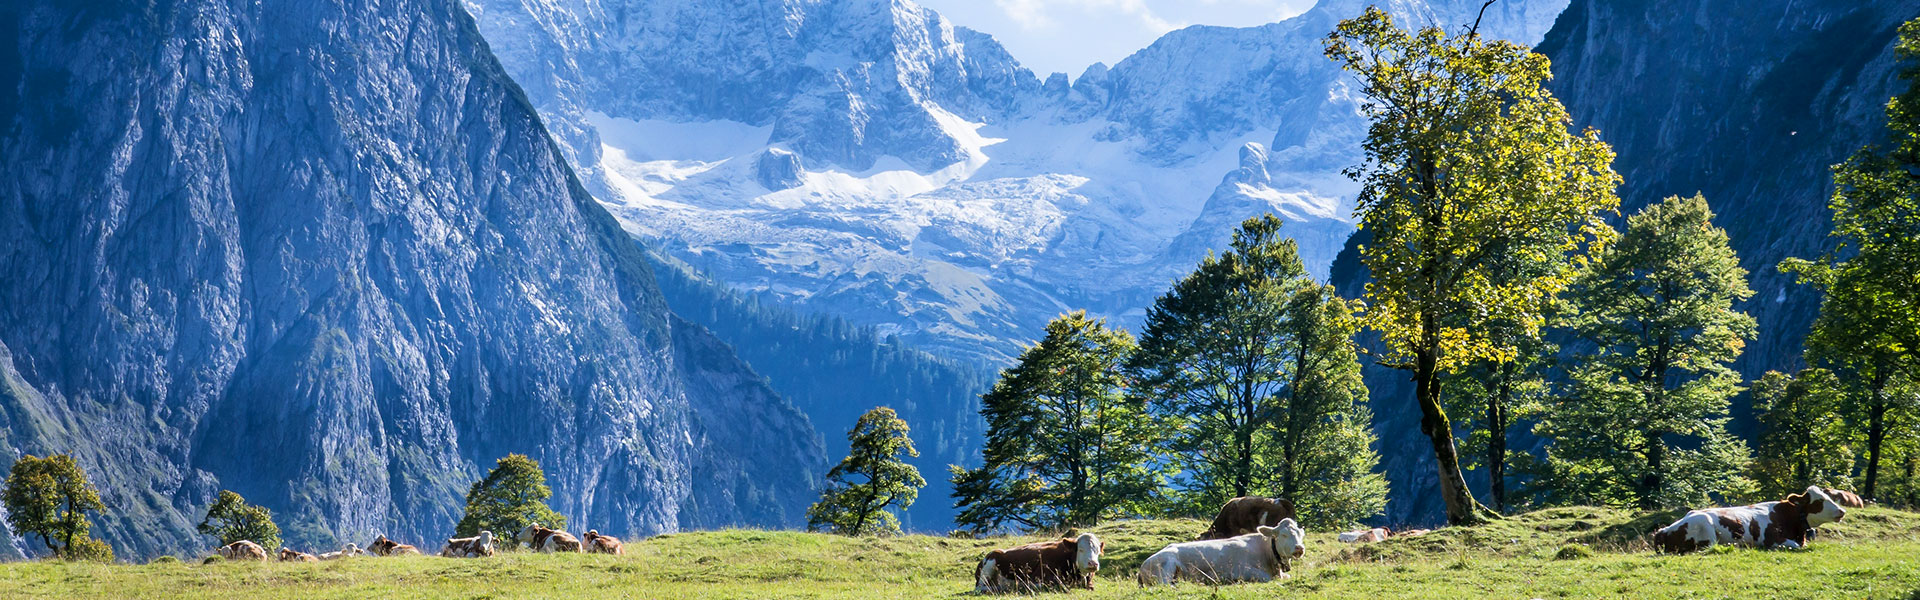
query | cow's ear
(1266,531)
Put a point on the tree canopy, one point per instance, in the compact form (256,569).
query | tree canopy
(231,519)
(512,496)
(50,497)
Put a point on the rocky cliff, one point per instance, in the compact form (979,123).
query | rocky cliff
(326,255)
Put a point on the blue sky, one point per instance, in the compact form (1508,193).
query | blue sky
(1068,35)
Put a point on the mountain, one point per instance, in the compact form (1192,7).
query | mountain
(870,160)
(1750,111)
(325,254)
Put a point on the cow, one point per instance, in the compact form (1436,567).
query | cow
(1264,555)
(382,546)
(1246,514)
(349,551)
(242,550)
(601,544)
(1775,524)
(1061,563)
(1365,535)
(469,547)
(1845,498)
(291,555)
(548,540)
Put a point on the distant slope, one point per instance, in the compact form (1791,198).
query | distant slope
(834,371)
(325,254)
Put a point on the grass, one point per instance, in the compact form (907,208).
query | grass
(1557,553)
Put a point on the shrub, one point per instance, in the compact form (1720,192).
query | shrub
(1573,552)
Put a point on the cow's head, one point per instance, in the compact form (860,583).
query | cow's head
(351,550)
(1289,542)
(1818,506)
(1090,549)
(486,538)
(526,533)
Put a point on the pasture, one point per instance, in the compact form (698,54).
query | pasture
(1555,553)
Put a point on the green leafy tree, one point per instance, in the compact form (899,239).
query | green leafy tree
(1469,166)
(1803,438)
(1645,422)
(1065,445)
(50,497)
(1492,398)
(1869,324)
(512,496)
(1250,366)
(231,519)
(873,476)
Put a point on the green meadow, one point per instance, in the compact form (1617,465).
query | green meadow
(1557,553)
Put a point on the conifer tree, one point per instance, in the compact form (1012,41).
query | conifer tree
(1065,445)
(1645,422)
(872,477)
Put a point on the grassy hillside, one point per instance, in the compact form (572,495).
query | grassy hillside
(1559,553)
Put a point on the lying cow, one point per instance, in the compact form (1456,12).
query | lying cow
(291,555)
(1247,514)
(1845,498)
(1362,536)
(1777,524)
(382,546)
(1062,563)
(242,550)
(1261,556)
(469,547)
(601,544)
(349,551)
(548,540)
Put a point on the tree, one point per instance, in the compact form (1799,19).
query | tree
(1250,365)
(231,519)
(1869,323)
(1468,165)
(1493,398)
(1803,438)
(512,496)
(1065,445)
(873,476)
(1646,417)
(50,497)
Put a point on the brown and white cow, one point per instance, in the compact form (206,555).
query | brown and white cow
(1846,498)
(1062,563)
(1264,555)
(469,547)
(1247,514)
(1362,536)
(242,550)
(382,546)
(601,544)
(347,552)
(291,555)
(548,540)
(1776,524)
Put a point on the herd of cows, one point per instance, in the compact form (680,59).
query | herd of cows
(1256,539)
(1251,539)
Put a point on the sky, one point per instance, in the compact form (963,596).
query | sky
(1068,35)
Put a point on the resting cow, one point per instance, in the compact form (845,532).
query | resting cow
(291,555)
(469,547)
(1777,524)
(242,550)
(1845,498)
(382,546)
(1247,514)
(1260,556)
(350,550)
(1062,563)
(1365,535)
(548,540)
(601,544)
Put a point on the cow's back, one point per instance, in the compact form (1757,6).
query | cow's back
(1038,565)
(1247,514)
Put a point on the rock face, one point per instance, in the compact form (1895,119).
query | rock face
(948,194)
(1749,111)
(326,255)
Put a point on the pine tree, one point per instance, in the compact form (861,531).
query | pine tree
(512,496)
(1645,422)
(1065,445)
(873,476)
(1250,365)
(1869,324)
(231,519)
(1804,439)
(1469,164)
(50,497)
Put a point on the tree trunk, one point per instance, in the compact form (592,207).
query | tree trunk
(1497,440)
(1876,433)
(1656,471)
(1462,509)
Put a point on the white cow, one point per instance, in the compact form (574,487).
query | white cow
(1255,557)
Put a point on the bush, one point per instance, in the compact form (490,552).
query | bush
(1573,552)
(168,559)
(212,560)
(88,549)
